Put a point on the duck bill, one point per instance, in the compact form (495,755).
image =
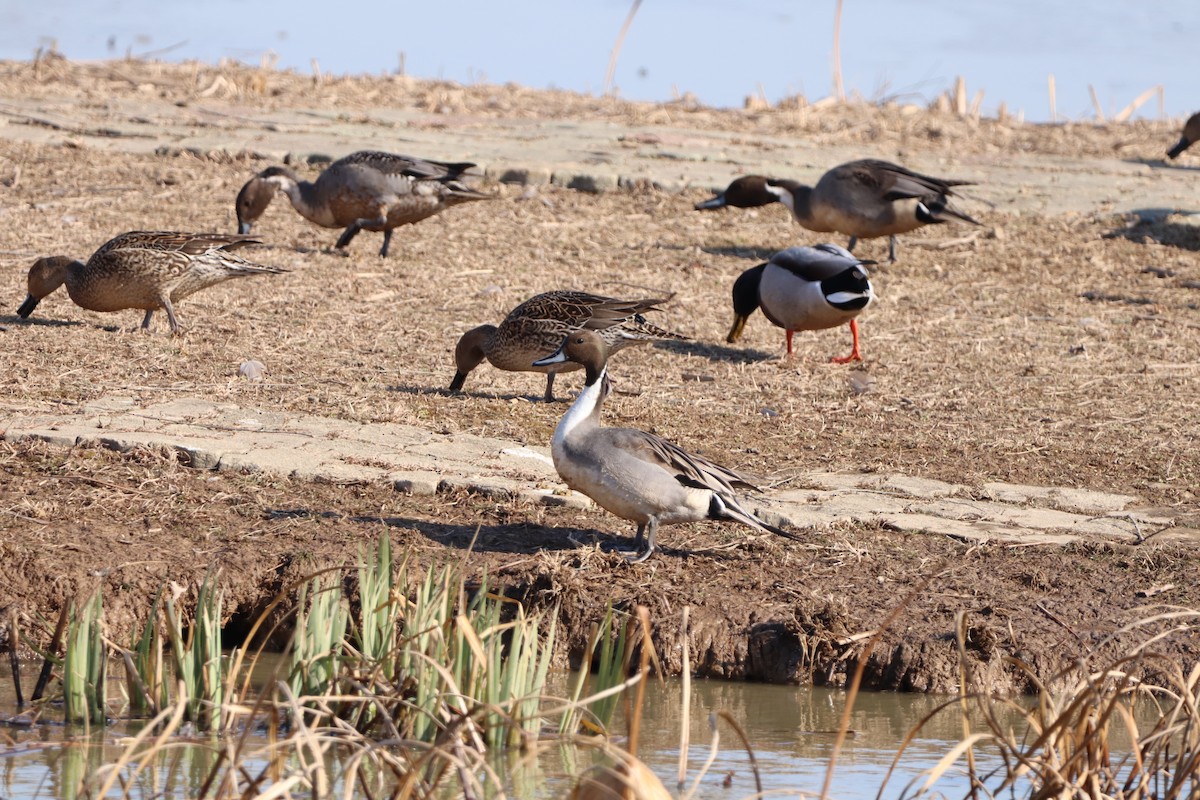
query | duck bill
(735,333)
(559,356)
(27,307)
(244,228)
(715,202)
(1179,147)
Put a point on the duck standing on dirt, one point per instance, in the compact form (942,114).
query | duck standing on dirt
(367,190)
(636,475)
(538,325)
(144,269)
(805,289)
(862,199)
(1190,135)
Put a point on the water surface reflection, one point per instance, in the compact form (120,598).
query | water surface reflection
(791,731)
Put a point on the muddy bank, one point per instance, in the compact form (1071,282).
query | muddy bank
(761,609)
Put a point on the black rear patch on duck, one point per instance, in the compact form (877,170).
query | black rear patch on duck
(853,282)
(926,216)
(716,507)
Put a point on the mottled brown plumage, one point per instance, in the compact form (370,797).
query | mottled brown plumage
(144,269)
(367,190)
(537,326)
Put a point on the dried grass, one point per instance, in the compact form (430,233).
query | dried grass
(987,360)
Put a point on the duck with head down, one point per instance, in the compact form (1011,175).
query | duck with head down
(635,475)
(144,269)
(367,190)
(538,325)
(805,289)
(862,199)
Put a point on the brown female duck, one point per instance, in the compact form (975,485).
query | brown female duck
(144,269)
(538,325)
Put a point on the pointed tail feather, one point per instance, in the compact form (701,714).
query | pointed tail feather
(639,328)
(940,210)
(727,507)
(461,193)
(243,267)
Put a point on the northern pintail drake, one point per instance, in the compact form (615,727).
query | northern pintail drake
(144,269)
(367,190)
(862,199)
(805,289)
(1191,135)
(636,475)
(538,325)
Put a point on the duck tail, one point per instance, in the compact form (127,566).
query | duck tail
(454,168)
(461,193)
(727,507)
(638,328)
(240,266)
(940,210)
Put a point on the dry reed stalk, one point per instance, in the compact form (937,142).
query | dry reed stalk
(172,717)
(629,779)
(1053,102)
(856,681)
(14,641)
(616,51)
(960,96)
(635,719)
(686,673)
(1127,112)
(964,680)
(839,90)
(714,748)
(1096,104)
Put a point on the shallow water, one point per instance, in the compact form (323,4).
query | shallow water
(721,52)
(791,732)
